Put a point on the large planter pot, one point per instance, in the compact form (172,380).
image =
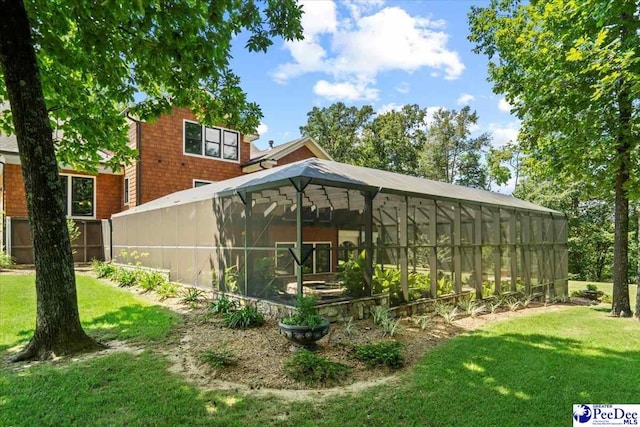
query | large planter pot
(304,335)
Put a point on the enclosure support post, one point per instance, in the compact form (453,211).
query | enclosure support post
(477,251)
(433,249)
(404,264)
(299,273)
(457,252)
(550,249)
(513,257)
(525,249)
(368,242)
(246,199)
(497,258)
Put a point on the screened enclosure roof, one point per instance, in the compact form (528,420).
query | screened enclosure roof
(335,174)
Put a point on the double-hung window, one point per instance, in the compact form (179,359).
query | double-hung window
(212,142)
(79,195)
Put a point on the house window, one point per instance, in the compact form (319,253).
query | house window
(317,254)
(200,182)
(213,142)
(79,195)
(126,191)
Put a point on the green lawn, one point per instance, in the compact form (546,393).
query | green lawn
(106,312)
(525,371)
(606,287)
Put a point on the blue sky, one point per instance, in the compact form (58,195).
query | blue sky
(384,53)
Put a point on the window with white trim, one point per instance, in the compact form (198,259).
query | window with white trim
(79,195)
(200,182)
(319,261)
(126,191)
(213,142)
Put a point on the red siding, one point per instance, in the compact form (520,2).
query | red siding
(166,169)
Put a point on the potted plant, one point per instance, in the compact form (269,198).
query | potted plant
(306,326)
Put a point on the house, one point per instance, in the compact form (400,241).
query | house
(175,152)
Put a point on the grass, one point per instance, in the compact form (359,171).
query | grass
(528,370)
(106,313)
(606,287)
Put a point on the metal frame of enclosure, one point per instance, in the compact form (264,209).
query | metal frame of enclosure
(341,232)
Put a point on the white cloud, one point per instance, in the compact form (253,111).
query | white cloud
(503,105)
(262,129)
(504,133)
(466,99)
(403,87)
(370,41)
(347,91)
(392,106)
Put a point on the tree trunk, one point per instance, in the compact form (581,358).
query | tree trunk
(637,312)
(58,330)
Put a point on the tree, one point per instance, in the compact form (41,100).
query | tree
(73,65)
(451,154)
(571,72)
(394,140)
(338,129)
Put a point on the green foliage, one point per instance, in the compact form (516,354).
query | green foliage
(103,269)
(387,353)
(351,275)
(74,232)
(306,313)
(218,358)
(390,327)
(231,277)
(192,295)
(423,322)
(126,277)
(223,305)
(151,280)
(451,154)
(310,368)
(168,290)
(349,326)
(379,314)
(445,286)
(247,317)
(5,260)
(450,316)
(591,287)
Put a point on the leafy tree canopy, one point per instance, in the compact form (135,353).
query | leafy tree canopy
(95,57)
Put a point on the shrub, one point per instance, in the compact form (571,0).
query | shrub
(103,269)
(218,358)
(151,280)
(592,288)
(310,368)
(192,295)
(167,290)
(223,305)
(246,317)
(387,353)
(306,313)
(5,260)
(125,277)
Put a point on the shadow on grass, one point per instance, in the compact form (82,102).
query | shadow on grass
(486,380)
(133,322)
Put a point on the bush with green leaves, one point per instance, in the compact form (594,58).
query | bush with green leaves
(151,280)
(223,305)
(308,367)
(168,290)
(306,313)
(192,295)
(126,277)
(5,260)
(218,358)
(103,269)
(247,317)
(383,353)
